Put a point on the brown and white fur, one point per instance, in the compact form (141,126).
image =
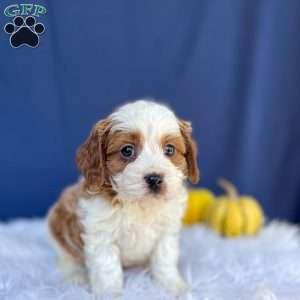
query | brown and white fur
(112,218)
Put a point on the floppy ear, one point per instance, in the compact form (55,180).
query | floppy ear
(191,151)
(91,155)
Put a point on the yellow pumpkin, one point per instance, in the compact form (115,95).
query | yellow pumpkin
(198,202)
(232,215)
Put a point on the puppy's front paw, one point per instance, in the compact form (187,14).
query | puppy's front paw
(115,293)
(177,286)
(113,288)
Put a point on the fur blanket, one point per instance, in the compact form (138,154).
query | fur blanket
(266,267)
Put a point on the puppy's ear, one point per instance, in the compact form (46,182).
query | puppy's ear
(91,155)
(191,151)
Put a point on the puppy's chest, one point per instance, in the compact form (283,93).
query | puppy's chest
(139,232)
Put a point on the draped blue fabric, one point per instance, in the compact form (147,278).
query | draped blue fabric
(231,67)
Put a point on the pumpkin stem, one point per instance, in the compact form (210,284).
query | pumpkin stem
(229,188)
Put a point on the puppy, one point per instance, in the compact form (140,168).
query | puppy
(127,209)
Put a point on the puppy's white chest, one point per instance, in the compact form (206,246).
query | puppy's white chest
(139,231)
(135,229)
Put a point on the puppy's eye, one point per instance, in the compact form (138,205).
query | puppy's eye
(169,150)
(127,151)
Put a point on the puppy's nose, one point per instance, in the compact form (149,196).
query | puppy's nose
(154,181)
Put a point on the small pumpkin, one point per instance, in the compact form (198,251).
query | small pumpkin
(198,202)
(232,215)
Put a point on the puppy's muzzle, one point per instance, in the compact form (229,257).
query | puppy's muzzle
(154,182)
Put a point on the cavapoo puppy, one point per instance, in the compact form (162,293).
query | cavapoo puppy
(127,209)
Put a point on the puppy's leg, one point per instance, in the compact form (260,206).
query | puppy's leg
(72,270)
(103,263)
(164,264)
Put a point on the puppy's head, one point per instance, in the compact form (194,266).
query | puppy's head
(140,151)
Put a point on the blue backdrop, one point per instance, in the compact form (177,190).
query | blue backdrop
(232,67)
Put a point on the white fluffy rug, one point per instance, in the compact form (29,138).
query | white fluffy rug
(263,268)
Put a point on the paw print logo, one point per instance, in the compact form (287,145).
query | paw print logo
(24,32)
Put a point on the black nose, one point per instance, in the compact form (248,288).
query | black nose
(154,181)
